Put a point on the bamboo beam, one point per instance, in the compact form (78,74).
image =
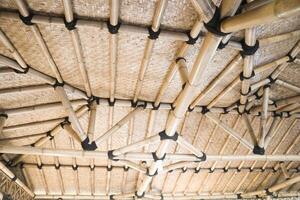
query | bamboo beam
(12,176)
(279,38)
(69,17)
(267,13)
(81,111)
(183,71)
(159,11)
(288,85)
(117,126)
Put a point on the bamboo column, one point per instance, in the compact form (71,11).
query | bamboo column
(81,111)
(113,46)
(69,17)
(158,15)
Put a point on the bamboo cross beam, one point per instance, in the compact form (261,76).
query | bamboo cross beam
(288,85)
(132,156)
(154,32)
(69,18)
(81,111)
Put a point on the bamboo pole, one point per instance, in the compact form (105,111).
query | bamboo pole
(158,15)
(276,123)
(250,128)
(288,85)
(32,88)
(279,38)
(92,120)
(81,111)
(11,175)
(229,130)
(117,126)
(188,146)
(183,71)
(267,13)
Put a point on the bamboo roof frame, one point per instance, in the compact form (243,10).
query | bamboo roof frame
(178,109)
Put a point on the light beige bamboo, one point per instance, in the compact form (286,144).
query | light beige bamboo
(28,109)
(276,123)
(11,175)
(267,13)
(183,71)
(288,85)
(69,109)
(161,6)
(279,38)
(297,61)
(92,120)
(206,52)
(229,130)
(231,65)
(81,111)
(117,126)
(136,145)
(250,129)
(72,133)
(255,4)
(5,61)
(67,4)
(3,118)
(284,170)
(264,116)
(188,146)
(173,67)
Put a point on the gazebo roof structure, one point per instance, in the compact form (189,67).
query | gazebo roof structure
(160,99)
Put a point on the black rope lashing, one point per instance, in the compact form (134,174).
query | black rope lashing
(164,136)
(87,146)
(156,158)
(214,24)
(92,167)
(57,167)
(113,29)
(239,196)
(245,94)
(204,110)
(111,155)
(271,79)
(75,167)
(51,137)
(111,197)
(190,109)
(40,166)
(197,170)
(70,25)
(267,191)
(26,20)
(161,197)
(111,103)
(180,58)
(191,40)
(223,45)
(135,104)
(183,170)
(155,107)
(201,158)
(242,77)
(211,170)
(58,84)
(153,35)
(291,58)
(225,170)
(258,150)
(4,115)
(151,175)
(225,111)
(139,196)
(249,50)
(14,178)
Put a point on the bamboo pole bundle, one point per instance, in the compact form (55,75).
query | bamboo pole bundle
(288,85)
(117,126)
(71,132)
(158,15)
(12,176)
(231,65)
(113,46)
(274,75)
(69,17)
(229,130)
(81,111)
(261,15)
(27,109)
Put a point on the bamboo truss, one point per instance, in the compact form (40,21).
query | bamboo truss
(253,14)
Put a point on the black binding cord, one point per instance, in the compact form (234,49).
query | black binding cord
(111,155)
(239,196)
(75,167)
(242,77)
(156,158)
(4,115)
(138,103)
(153,35)
(180,58)
(87,146)
(92,167)
(197,170)
(111,197)
(40,166)
(245,94)
(204,110)
(191,40)
(51,137)
(26,20)
(57,167)
(191,109)
(225,170)
(164,136)
(267,191)
(248,50)
(139,196)
(271,79)
(258,150)
(214,24)
(113,29)
(109,168)
(183,170)
(58,84)
(125,168)
(223,45)
(70,25)
(151,175)
(14,178)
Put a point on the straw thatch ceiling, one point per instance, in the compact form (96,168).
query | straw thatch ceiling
(203,133)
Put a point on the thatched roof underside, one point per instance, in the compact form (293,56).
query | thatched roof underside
(203,133)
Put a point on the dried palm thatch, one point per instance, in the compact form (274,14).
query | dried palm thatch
(150,99)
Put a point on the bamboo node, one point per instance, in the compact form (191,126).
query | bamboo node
(111,197)
(111,155)
(214,24)
(151,175)
(113,29)
(26,20)
(153,35)
(164,136)
(248,50)
(139,196)
(70,25)
(109,168)
(135,104)
(87,146)
(258,150)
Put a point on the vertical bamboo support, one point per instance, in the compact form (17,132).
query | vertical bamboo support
(158,15)
(69,17)
(113,45)
(3,118)
(117,126)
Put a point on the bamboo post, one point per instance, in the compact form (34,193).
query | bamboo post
(81,111)
(288,85)
(229,130)
(284,170)
(117,126)
(11,175)
(261,15)
(69,17)
(158,15)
